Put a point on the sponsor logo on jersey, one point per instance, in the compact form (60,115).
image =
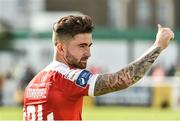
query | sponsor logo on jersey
(83,78)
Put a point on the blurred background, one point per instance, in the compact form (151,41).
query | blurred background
(124,30)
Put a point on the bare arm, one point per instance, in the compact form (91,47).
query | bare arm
(129,75)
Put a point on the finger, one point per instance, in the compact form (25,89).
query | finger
(159,27)
(172,38)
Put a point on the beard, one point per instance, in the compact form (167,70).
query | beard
(75,63)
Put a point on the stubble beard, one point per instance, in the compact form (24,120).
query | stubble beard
(75,63)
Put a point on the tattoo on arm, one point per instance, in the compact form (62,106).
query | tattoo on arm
(127,76)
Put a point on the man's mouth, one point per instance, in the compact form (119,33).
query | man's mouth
(84,59)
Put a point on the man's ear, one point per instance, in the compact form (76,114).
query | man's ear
(60,48)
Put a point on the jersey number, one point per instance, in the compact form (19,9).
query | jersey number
(33,112)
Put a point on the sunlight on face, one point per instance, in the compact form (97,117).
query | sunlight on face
(78,50)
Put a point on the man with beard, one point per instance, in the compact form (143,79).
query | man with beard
(56,92)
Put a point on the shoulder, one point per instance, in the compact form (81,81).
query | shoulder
(70,74)
(79,79)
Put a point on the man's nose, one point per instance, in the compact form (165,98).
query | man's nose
(88,52)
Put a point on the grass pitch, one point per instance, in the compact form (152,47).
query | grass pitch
(106,113)
(11,113)
(129,113)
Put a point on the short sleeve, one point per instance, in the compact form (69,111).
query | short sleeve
(80,83)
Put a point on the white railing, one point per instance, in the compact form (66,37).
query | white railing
(146,92)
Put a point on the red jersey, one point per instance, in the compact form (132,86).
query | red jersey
(56,93)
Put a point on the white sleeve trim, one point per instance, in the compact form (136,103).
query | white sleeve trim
(92,82)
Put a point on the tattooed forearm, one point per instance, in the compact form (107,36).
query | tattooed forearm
(127,76)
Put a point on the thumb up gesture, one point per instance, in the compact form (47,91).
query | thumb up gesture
(163,37)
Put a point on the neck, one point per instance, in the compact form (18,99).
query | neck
(59,58)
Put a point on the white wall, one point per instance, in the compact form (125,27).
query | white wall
(111,55)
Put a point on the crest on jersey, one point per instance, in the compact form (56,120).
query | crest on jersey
(83,78)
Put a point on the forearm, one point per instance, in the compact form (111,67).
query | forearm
(127,76)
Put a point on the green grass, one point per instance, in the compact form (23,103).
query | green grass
(11,113)
(129,113)
(106,113)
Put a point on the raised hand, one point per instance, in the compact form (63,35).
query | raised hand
(163,37)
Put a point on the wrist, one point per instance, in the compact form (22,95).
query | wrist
(155,45)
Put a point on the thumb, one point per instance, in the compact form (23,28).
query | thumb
(159,26)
